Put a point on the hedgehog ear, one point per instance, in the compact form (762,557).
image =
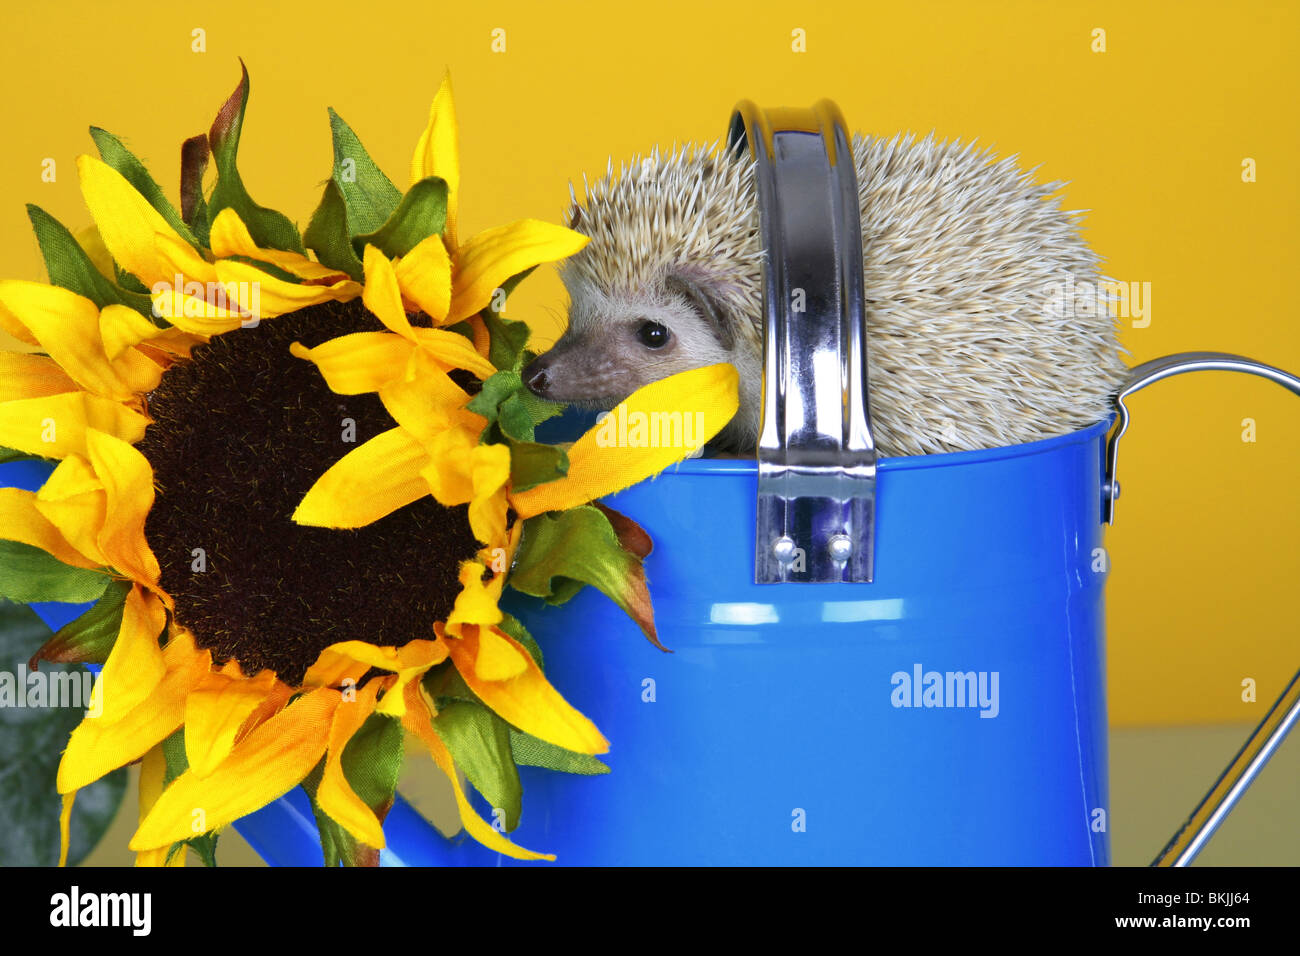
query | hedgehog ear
(705,306)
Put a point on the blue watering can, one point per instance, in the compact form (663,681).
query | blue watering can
(894,661)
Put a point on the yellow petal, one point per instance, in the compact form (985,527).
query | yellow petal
(424,275)
(24,375)
(490,471)
(351,659)
(153,769)
(267,764)
(204,315)
(526,700)
(497,658)
(130,227)
(429,402)
(335,795)
(121,328)
(477,602)
(65,826)
(368,483)
(487,260)
(67,327)
(128,490)
(96,747)
(452,350)
(214,713)
(54,426)
(92,243)
(438,153)
(448,472)
(230,237)
(599,465)
(360,362)
(135,665)
(419,722)
(22,520)
(382,295)
(73,501)
(267,296)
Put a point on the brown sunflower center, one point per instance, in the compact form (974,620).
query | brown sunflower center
(240,432)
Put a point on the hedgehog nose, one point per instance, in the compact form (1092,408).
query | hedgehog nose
(536,379)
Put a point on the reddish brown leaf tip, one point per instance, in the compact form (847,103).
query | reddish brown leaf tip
(228,115)
(631,535)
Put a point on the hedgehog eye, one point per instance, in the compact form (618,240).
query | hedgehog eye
(652,335)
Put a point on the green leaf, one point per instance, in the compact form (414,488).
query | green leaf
(479,741)
(506,337)
(421,213)
(32,739)
(112,152)
(194,208)
(444,683)
(70,268)
(504,400)
(28,574)
(329,233)
(530,751)
(533,463)
(89,638)
(369,196)
(371,760)
(495,390)
(580,545)
(269,229)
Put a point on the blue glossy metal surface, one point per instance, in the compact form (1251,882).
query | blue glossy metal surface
(778,703)
(773,735)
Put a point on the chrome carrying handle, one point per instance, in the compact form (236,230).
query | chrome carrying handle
(1285,712)
(816,454)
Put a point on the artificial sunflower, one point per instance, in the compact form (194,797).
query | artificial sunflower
(270,611)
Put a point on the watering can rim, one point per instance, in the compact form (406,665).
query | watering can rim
(749,466)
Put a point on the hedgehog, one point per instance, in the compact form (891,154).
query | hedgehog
(986,325)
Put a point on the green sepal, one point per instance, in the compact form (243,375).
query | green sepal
(506,338)
(69,266)
(371,763)
(175,763)
(503,400)
(194,207)
(421,213)
(328,233)
(479,742)
(13,454)
(580,545)
(535,463)
(89,638)
(530,751)
(269,229)
(129,282)
(115,154)
(28,575)
(369,195)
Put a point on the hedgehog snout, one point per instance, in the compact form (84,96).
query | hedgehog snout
(536,377)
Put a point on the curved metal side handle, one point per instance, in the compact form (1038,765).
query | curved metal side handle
(1167,366)
(1285,712)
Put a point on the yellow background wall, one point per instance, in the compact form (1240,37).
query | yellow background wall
(1152,133)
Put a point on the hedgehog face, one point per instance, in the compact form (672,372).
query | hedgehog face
(618,342)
